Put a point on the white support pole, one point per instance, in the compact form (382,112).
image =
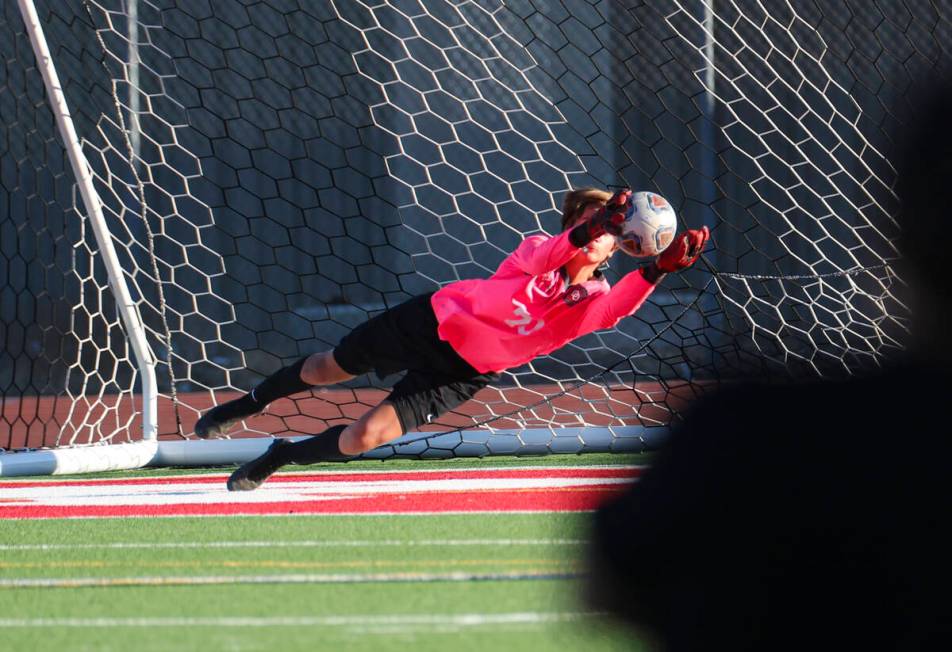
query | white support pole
(709,160)
(134,99)
(709,73)
(128,311)
(219,452)
(79,459)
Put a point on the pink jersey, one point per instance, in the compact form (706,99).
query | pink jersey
(526,309)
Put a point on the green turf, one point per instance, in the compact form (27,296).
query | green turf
(356,600)
(416,544)
(399,548)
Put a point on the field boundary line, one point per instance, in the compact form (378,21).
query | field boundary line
(373,620)
(473,512)
(525,565)
(349,543)
(283,578)
(340,470)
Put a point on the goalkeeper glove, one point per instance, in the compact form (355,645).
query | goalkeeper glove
(680,254)
(608,219)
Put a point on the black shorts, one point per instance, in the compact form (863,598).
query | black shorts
(405,338)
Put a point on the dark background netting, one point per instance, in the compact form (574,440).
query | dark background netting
(306,165)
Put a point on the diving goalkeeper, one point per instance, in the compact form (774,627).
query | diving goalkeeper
(454,342)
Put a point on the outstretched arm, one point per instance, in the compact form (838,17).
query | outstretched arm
(629,293)
(681,254)
(538,254)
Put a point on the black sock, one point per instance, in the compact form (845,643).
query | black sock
(282,383)
(324,447)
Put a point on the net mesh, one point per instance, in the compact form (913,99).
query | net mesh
(274,173)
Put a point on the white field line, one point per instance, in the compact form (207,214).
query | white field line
(368,620)
(343,469)
(284,578)
(355,543)
(321,515)
(170,493)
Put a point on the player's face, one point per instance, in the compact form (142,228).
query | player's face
(601,248)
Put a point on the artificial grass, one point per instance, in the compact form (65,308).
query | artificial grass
(414,545)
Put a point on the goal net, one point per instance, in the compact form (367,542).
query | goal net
(272,174)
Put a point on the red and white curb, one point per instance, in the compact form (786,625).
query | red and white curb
(530,489)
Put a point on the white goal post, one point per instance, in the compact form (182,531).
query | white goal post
(125,456)
(194,195)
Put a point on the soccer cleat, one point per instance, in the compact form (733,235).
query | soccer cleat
(251,475)
(217,421)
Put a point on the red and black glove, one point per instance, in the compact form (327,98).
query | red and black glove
(680,254)
(609,219)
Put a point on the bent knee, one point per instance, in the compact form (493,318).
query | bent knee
(322,369)
(365,439)
(369,433)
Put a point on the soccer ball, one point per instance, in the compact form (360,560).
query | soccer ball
(650,225)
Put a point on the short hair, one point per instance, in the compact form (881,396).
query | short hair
(578,200)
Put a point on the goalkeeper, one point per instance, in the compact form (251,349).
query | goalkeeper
(455,341)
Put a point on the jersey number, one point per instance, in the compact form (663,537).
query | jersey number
(524,318)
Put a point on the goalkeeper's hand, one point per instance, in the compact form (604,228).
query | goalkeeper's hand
(680,254)
(610,218)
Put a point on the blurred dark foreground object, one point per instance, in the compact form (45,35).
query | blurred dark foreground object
(804,517)
(811,516)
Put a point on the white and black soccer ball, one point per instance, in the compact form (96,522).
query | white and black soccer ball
(650,225)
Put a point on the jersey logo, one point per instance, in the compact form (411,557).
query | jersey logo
(574,294)
(545,286)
